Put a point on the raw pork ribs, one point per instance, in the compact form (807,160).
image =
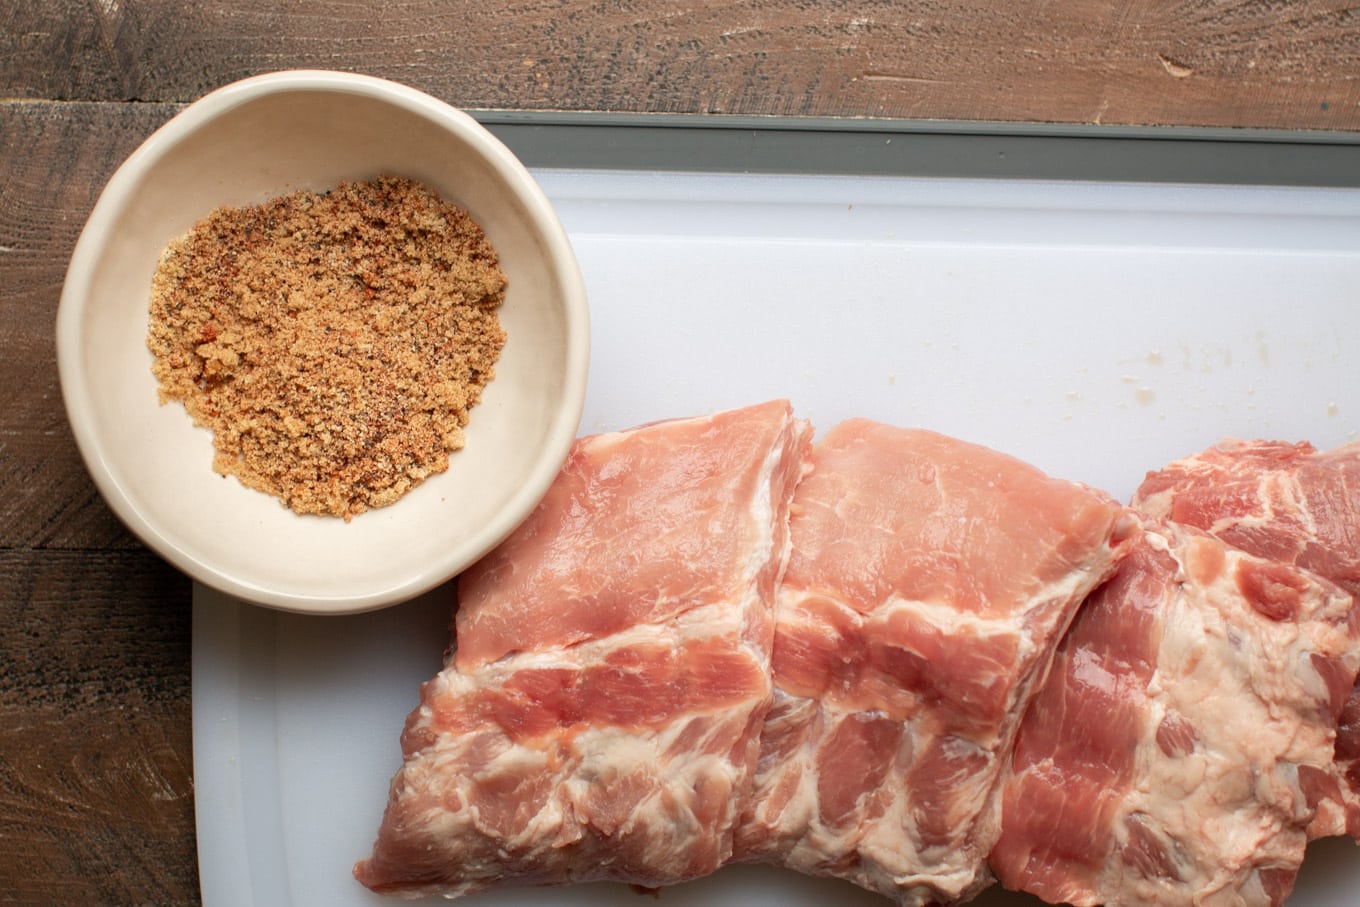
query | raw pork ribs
(1296,505)
(897,659)
(929,583)
(607,714)
(601,716)
(1170,756)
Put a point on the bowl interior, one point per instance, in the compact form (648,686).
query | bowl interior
(154,465)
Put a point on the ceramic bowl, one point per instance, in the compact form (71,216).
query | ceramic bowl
(251,141)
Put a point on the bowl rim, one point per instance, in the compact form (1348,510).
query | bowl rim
(119,192)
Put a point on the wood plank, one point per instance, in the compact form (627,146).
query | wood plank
(96,784)
(1184,62)
(96,781)
(57,159)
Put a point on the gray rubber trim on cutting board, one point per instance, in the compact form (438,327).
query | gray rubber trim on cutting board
(927,148)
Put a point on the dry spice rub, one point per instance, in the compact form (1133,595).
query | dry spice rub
(333,343)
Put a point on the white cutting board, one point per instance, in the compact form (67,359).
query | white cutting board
(1095,330)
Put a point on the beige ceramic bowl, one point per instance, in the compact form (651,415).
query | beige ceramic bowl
(260,138)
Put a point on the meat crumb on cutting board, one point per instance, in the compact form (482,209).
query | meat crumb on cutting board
(333,342)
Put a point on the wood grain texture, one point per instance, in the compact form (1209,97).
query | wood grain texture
(96,788)
(57,157)
(1260,63)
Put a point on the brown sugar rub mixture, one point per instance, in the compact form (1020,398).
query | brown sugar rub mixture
(333,343)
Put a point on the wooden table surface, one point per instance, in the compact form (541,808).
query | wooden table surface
(96,772)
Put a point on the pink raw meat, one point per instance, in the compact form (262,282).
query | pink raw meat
(1169,757)
(600,718)
(929,582)
(1294,504)
(1287,502)
(641,526)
